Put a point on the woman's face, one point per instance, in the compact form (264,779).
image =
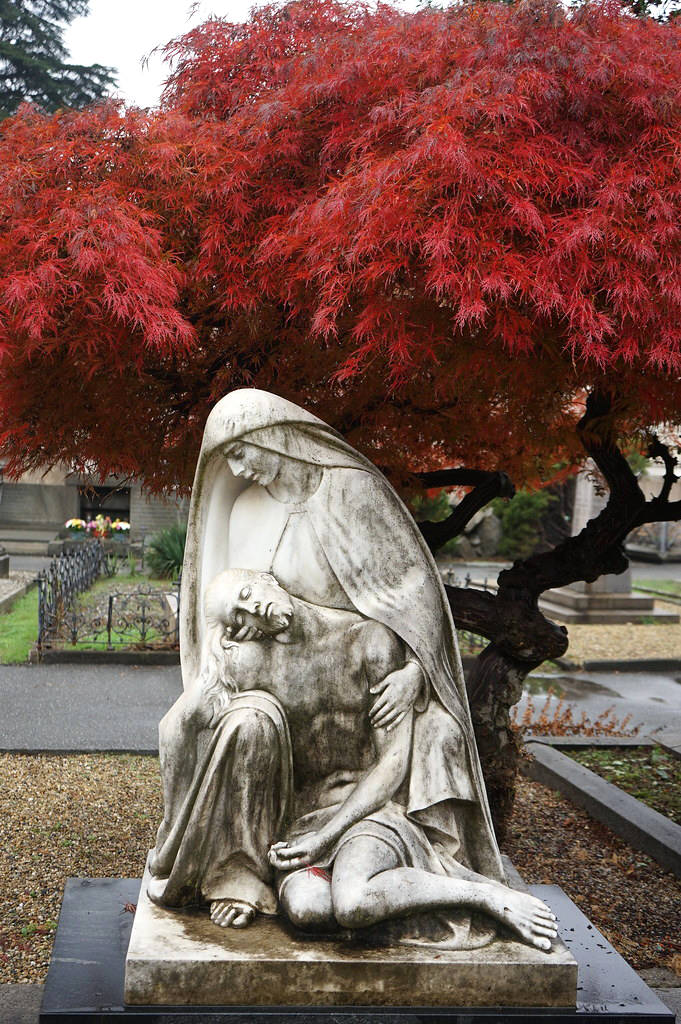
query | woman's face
(253,463)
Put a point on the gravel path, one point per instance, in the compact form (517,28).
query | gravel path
(95,815)
(61,817)
(623,642)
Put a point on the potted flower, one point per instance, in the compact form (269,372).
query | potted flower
(77,529)
(120,529)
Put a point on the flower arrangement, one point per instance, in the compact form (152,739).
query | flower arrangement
(76,525)
(100,527)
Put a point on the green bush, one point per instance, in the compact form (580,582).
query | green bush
(521,522)
(165,552)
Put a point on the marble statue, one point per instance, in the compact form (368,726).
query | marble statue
(320,763)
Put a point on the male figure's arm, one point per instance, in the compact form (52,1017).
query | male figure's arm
(382,654)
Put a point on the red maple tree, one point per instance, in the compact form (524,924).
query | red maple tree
(454,234)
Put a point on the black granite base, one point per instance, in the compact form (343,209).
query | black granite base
(85,980)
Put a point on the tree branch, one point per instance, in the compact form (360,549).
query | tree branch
(658,450)
(474,610)
(492,485)
(597,549)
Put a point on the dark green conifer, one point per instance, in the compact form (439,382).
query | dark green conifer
(34,61)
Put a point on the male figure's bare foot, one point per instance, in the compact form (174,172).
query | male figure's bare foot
(534,922)
(232,913)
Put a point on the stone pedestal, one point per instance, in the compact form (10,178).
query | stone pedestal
(606,602)
(85,980)
(183,959)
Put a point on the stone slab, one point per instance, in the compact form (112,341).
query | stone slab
(641,826)
(85,981)
(182,958)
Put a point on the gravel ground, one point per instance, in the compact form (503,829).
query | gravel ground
(629,898)
(95,815)
(621,642)
(61,817)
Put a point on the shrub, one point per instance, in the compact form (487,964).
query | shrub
(521,522)
(165,552)
(434,508)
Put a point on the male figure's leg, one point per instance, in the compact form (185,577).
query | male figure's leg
(305,898)
(369,886)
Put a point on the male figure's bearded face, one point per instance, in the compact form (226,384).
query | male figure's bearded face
(259,601)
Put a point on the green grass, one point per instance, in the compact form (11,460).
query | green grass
(663,586)
(101,589)
(19,629)
(107,584)
(648,773)
(19,625)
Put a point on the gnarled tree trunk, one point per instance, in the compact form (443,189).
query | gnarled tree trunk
(520,636)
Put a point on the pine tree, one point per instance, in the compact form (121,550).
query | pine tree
(33,58)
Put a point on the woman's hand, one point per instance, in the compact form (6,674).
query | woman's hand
(397,694)
(298,854)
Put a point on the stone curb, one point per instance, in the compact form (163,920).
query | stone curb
(577,742)
(107,658)
(625,665)
(10,599)
(136,751)
(643,828)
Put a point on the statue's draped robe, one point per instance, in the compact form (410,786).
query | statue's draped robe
(379,565)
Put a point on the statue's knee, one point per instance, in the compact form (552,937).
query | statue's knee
(307,906)
(349,905)
(254,727)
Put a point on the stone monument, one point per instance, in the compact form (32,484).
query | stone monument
(326,837)
(609,600)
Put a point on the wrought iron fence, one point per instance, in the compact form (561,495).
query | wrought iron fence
(137,616)
(470,643)
(67,576)
(140,617)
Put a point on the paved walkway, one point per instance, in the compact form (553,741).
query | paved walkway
(651,700)
(84,707)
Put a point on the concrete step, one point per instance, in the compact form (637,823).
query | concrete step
(566,597)
(605,616)
(25,547)
(26,540)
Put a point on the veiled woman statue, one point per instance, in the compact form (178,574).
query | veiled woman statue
(275,728)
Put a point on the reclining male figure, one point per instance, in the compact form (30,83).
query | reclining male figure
(350,856)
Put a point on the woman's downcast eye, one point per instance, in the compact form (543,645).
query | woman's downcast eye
(245,593)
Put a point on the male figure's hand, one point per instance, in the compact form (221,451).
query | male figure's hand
(232,635)
(398,692)
(306,850)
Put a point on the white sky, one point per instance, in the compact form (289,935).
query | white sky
(121,33)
